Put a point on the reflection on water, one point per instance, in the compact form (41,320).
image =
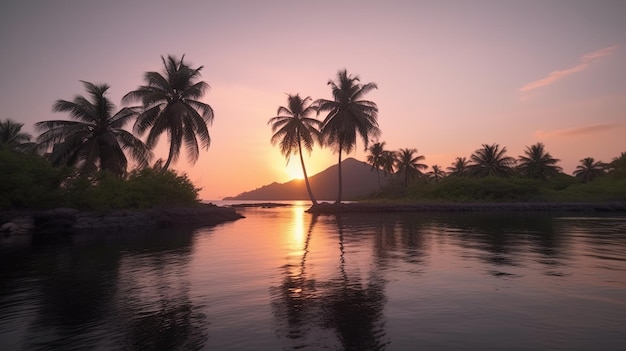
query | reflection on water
(285,279)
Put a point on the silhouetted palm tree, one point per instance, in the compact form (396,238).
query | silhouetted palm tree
(537,163)
(491,161)
(96,138)
(388,161)
(459,167)
(589,169)
(348,115)
(617,167)
(375,158)
(171,105)
(436,174)
(293,129)
(12,137)
(408,164)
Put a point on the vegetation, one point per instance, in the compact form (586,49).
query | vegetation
(490,175)
(170,105)
(408,164)
(12,137)
(293,128)
(96,138)
(348,116)
(589,169)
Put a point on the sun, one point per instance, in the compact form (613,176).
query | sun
(294,169)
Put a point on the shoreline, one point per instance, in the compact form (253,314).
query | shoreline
(70,221)
(370,207)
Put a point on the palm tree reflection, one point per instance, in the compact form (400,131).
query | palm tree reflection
(343,310)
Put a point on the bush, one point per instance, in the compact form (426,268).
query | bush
(28,181)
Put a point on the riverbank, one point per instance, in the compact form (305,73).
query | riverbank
(68,220)
(331,208)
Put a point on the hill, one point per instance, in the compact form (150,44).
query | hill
(358,180)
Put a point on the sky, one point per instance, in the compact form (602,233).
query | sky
(451,75)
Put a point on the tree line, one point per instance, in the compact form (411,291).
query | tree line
(94,140)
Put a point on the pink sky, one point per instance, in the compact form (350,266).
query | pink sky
(452,75)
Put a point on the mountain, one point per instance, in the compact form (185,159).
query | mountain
(358,180)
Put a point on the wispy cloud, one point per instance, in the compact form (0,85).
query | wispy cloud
(578,131)
(584,63)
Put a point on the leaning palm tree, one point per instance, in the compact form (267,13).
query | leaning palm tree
(537,163)
(12,137)
(375,158)
(293,129)
(490,160)
(459,167)
(95,139)
(589,169)
(348,115)
(170,105)
(436,174)
(408,164)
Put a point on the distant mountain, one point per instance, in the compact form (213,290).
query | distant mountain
(358,180)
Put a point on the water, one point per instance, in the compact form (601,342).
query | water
(282,279)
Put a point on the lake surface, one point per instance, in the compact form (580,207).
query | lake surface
(283,279)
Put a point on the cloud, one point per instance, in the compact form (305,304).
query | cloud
(577,132)
(584,63)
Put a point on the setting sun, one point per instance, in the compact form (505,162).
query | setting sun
(294,169)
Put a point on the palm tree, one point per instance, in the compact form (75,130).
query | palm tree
(12,137)
(170,105)
(589,169)
(537,163)
(409,165)
(96,138)
(293,129)
(459,167)
(348,115)
(436,174)
(491,161)
(388,161)
(375,158)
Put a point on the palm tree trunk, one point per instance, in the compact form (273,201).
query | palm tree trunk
(340,179)
(170,155)
(306,177)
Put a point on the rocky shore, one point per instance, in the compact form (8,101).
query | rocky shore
(68,220)
(331,208)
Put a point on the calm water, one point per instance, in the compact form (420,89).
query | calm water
(282,279)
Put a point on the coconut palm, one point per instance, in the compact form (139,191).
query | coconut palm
(95,139)
(12,137)
(170,105)
(589,169)
(388,160)
(408,164)
(293,129)
(375,158)
(436,174)
(459,167)
(537,163)
(490,160)
(348,115)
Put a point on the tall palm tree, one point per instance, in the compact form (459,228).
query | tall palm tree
(348,115)
(12,137)
(459,167)
(293,129)
(490,160)
(408,164)
(96,138)
(537,163)
(170,105)
(436,174)
(589,169)
(375,158)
